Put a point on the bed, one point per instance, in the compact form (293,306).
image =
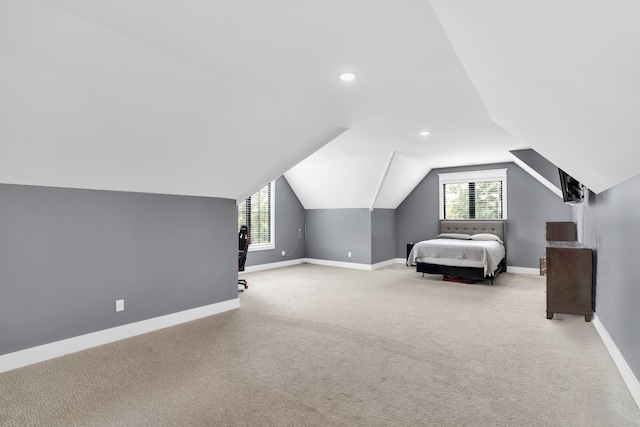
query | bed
(465,250)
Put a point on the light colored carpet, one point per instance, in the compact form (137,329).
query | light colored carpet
(322,346)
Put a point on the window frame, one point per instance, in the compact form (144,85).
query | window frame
(473,177)
(272,208)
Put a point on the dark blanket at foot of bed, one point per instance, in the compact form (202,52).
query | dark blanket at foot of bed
(459,279)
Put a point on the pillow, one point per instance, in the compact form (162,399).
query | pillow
(454,236)
(485,236)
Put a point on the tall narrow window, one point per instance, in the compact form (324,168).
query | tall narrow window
(474,195)
(257,212)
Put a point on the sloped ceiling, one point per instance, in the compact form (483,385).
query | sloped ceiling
(87,105)
(561,76)
(216,98)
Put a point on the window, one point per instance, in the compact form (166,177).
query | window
(474,195)
(257,213)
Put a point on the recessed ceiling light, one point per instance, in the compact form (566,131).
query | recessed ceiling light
(348,76)
(425,133)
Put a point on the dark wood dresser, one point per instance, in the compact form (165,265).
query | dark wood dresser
(561,231)
(569,279)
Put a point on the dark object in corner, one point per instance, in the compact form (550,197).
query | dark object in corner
(459,279)
(572,190)
(243,247)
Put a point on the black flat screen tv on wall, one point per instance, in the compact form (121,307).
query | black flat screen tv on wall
(572,190)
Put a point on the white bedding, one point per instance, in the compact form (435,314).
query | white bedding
(460,253)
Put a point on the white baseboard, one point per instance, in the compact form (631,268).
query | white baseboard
(272,265)
(356,266)
(359,266)
(330,263)
(625,371)
(52,350)
(384,264)
(523,270)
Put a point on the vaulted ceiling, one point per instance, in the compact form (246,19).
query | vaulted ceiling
(216,98)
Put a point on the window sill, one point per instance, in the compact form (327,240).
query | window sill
(261,248)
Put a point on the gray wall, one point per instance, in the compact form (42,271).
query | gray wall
(289,228)
(540,164)
(66,255)
(332,233)
(383,235)
(611,229)
(529,206)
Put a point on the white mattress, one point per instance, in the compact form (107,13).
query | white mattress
(459,253)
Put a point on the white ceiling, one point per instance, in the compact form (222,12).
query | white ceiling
(564,76)
(216,98)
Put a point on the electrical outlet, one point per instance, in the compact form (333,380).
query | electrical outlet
(120,305)
(349,254)
(283,253)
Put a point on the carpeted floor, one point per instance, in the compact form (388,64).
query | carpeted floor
(321,346)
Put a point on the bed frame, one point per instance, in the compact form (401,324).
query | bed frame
(473,226)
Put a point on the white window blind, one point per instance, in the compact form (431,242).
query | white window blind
(256,212)
(474,195)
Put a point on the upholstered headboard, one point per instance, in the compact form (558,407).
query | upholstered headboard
(475,226)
